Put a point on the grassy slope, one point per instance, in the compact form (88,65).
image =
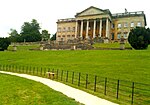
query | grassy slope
(130,65)
(110,45)
(19,91)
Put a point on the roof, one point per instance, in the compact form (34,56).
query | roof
(99,11)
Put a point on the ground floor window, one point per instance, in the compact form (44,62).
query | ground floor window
(125,35)
(118,36)
(112,36)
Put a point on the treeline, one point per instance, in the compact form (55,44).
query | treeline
(30,32)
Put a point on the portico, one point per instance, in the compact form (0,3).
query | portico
(91,28)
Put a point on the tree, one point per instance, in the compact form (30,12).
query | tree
(30,31)
(53,37)
(4,43)
(45,35)
(148,30)
(14,36)
(138,38)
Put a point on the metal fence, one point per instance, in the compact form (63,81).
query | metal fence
(124,92)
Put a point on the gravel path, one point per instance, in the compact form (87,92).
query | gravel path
(74,93)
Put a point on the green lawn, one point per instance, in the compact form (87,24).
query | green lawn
(19,91)
(110,45)
(128,65)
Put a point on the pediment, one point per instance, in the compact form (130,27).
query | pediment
(91,11)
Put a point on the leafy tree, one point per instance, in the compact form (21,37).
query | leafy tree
(4,43)
(45,35)
(13,32)
(138,38)
(148,36)
(53,37)
(30,31)
(14,36)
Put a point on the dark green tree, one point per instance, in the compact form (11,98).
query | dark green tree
(148,36)
(138,38)
(14,36)
(4,43)
(45,35)
(53,37)
(30,32)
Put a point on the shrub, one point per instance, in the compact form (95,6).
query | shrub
(4,43)
(138,38)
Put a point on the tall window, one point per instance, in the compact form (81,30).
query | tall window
(59,29)
(125,36)
(132,24)
(119,25)
(118,36)
(73,29)
(112,37)
(139,24)
(125,24)
(68,28)
(113,26)
(64,29)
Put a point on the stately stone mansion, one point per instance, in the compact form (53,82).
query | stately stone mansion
(94,22)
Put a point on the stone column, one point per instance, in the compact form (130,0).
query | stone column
(81,31)
(76,29)
(100,28)
(87,29)
(94,28)
(107,28)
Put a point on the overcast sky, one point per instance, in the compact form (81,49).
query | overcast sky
(13,13)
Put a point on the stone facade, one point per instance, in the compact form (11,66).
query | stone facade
(94,22)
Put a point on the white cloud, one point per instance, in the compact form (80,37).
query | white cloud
(15,12)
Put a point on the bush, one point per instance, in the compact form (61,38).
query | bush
(139,38)
(4,43)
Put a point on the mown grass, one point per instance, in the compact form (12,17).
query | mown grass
(128,65)
(110,45)
(19,91)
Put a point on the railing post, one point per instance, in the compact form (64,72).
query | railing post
(57,75)
(23,69)
(19,69)
(12,68)
(95,84)
(67,77)
(44,72)
(72,77)
(61,75)
(6,68)
(33,70)
(16,69)
(105,86)
(86,81)
(9,67)
(132,94)
(79,79)
(26,69)
(37,69)
(41,71)
(118,89)
(0,67)
(30,70)
(3,68)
